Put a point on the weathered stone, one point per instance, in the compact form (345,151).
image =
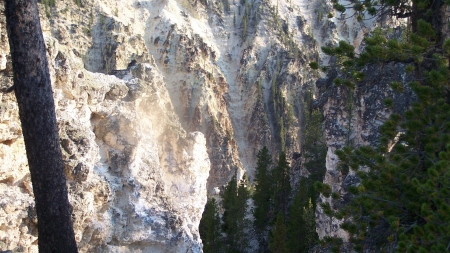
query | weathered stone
(158,102)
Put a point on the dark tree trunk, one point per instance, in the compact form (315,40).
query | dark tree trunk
(40,131)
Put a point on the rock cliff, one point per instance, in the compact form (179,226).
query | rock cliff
(161,102)
(136,178)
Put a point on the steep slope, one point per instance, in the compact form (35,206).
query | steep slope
(159,102)
(136,179)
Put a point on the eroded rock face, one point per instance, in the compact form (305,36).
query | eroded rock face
(159,102)
(136,179)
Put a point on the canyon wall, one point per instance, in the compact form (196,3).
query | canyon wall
(136,178)
(159,103)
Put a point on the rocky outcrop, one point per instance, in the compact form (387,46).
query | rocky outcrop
(136,179)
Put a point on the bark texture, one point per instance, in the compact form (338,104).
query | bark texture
(40,131)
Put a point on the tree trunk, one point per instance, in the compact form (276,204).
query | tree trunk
(40,131)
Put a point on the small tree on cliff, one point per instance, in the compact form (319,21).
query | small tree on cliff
(403,202)
(40,131)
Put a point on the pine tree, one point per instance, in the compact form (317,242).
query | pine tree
(403,201)
(313,146)
(236,225)
(296,226)
(281,185)
(241,240)
(229,206)
(245,22)
(261,195)
(309,221)
(210,229)
(278,236)
(302,225)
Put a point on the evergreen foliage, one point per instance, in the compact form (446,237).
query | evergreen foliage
(301,226)
(403,201)
(277,242)
(226,6)
(235,223)
(272,191)
(210,229)
(281,185)
(281,110)
(48,4)
(302,234)
(313,142)
(271,195)
(296,225)
(245,21)
(249,17)
(309,227)
(262,194)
